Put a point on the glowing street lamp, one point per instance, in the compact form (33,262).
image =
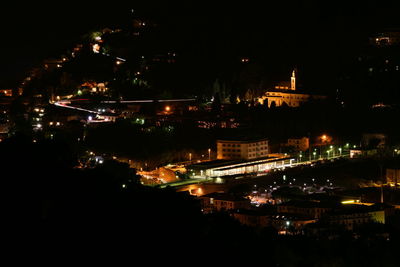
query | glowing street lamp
(314,154)
(209,154)
(190,157)
(340,151)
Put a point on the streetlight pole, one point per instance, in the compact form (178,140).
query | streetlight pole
(209,154)
(190,157)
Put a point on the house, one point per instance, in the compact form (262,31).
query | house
(312,209)
(222,202)
(353,215)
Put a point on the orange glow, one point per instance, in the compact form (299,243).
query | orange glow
(167,108)
(199,191)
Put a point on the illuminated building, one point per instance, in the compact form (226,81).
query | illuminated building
(166,174)
(285,94)
(313,209)
(242,149)
(252,218)
(222,202)
(388,38)
(221,168)
(6,92)
(353,215)
(393,176)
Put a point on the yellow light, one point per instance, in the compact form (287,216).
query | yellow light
(347,201)
(167,108)
(199,191)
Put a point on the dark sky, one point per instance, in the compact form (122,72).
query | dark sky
(32,32)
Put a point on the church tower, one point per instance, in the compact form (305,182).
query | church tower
(293,80)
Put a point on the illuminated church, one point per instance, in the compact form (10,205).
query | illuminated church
(284,93)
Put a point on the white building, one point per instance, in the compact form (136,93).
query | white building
(242,149)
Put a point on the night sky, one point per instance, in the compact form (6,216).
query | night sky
(308,33)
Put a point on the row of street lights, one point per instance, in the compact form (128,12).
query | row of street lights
(330,153)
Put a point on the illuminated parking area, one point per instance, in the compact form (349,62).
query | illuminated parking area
(221,168)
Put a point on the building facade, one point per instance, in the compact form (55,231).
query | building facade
(393,176)
(246,149)
(221,168)
(285,94)
(299,144)
(358,217)
(306,208)
(222,202)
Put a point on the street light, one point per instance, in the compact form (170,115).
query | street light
(209,154)
(340,151)
(314,154)
(190,157)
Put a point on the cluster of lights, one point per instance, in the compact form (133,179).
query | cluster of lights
(39,110)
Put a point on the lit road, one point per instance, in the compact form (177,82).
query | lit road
(67,103)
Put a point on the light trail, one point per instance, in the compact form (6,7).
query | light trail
(76,108)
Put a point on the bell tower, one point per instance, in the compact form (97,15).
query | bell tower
(293,80)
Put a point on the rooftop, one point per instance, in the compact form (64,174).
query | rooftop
(230,163)
(241,138)
(224,196)
(310,204)
(356,208)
